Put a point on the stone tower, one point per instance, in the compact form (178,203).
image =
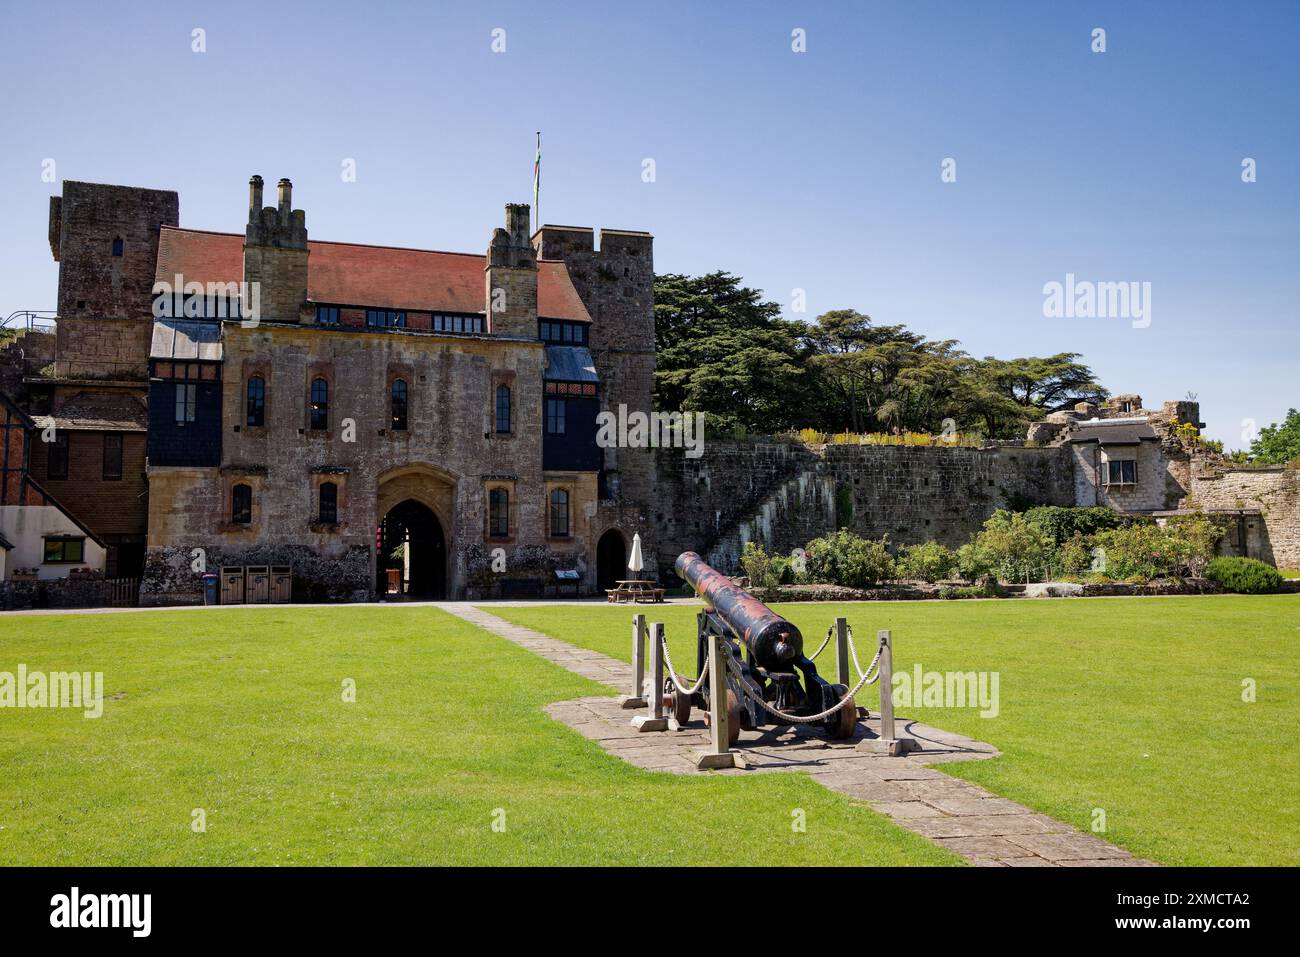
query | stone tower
(105,240)
(511,278)
(616,283)
(275,252)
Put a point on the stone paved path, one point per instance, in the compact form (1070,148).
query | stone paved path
(962,817)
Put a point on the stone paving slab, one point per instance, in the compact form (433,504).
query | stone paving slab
(987,830)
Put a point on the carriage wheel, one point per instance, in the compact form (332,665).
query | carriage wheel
(681,707)
(843,722)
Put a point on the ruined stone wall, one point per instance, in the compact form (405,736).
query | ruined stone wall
(782,495)
(918,493)
(24,355)
(698,501)
(1274,491)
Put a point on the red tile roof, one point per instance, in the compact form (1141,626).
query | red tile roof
(377,276)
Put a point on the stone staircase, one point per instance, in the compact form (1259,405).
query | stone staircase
(794,512)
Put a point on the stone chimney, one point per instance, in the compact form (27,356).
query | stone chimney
(284,199)
(254,198)
(511,277)
(275,253)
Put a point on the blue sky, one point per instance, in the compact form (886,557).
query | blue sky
(817,171)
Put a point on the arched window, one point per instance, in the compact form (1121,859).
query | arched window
(399,405)
(329,503)
(503,408)
(320,404)
(256,405)
(559,513)
(117,245)
(241,504)
(499,513)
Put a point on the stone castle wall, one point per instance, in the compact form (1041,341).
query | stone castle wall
(782,494)
(1274,491)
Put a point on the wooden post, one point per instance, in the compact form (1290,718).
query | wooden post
(653,719)
(842,652)
(888,742)
(719,753)
(886,686)
(636,699)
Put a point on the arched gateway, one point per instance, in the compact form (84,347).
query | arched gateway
(414,504)
(611,559)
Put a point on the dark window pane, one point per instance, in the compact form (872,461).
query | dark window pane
(241,505)
(56,466)
(112,457)
(399,405)
(256,401)
(559,513)
(499,513)
(186,402)
(503,408)
(555,416)
(329,503)
(320,404)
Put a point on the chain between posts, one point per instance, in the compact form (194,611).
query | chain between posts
(854,651)
(793,718)
(672,672)
(829,631)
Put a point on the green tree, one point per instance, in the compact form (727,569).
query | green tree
(1278,444)
(723,350)
(1019,391)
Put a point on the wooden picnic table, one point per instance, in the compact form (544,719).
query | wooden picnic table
(636,590)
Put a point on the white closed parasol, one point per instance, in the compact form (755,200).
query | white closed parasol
(636,563)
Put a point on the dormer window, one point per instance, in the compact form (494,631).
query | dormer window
(385,318)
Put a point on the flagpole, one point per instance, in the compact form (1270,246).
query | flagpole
(537,182)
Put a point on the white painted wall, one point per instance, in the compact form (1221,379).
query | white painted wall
(26,527)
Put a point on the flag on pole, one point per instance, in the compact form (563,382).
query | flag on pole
(537,179)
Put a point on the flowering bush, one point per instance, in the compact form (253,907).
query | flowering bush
(847,559)
(928,562)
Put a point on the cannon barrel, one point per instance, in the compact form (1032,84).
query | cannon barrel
(771,639)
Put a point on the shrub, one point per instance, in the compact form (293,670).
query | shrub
(1142,548)
(1244,575)
(1061,524)
(1074,555)
(1014,547)
(929,562)
(849,560)
(972,564)
(989,589)
(758,566)
(1195,539)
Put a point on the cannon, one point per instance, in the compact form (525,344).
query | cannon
(770,668)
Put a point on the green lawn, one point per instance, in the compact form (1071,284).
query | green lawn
(1131,705)
(240,713)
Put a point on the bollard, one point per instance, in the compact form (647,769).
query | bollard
(637,698)
(653,719)
(888,742)
(719,753)
(842,652)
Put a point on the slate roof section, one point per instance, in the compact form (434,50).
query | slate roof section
(570,364)
(97,412)
(1125,434)
(186,339)
(379,277)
